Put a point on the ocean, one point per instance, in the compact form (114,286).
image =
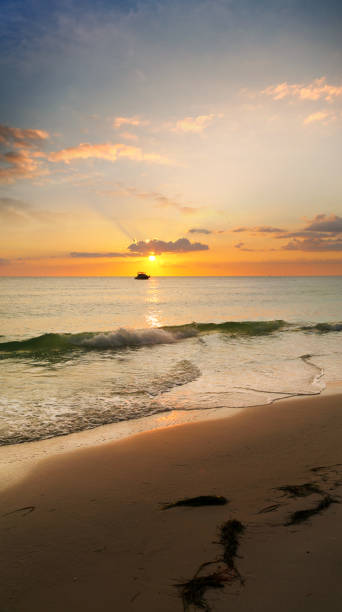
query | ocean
(76,353)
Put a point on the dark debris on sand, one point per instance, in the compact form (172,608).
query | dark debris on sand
(201,500)
(230,536)
(303,515)
(22,511)
(193,590)
(303,490)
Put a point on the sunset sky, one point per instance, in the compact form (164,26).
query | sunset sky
(205,132)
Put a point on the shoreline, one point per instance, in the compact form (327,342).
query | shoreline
(16,460)
(84,529)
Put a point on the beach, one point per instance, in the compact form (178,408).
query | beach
(170,306)
(87,529)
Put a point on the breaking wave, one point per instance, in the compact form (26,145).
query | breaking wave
(125,338)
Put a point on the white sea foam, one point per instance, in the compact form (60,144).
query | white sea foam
(133,337)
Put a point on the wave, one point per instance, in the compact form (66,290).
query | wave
(324,327)
(134,338)
(248,328)
(121,338)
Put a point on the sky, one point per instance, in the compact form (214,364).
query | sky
(205,134)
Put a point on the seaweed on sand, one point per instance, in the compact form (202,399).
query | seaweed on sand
(230,535)
(303,490)
(193,590)
(23,511)
(303,515)
(201,500)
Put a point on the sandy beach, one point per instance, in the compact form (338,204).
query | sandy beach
(86,530)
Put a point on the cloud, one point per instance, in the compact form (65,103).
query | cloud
(260,229)
(203,230)
(300,234)
(4,262)
(20,162)
(135,121)
(199,230)
(95,255)
(265,229)
(19,165)
(318,227)
(106,151)
(182,245)
(25,138)
(159,199)
(194,125)
(314,244)
(324,223)
(242,247)
(317,90)
(322,233)
(316,117)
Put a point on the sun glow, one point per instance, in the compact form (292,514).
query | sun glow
(152,257)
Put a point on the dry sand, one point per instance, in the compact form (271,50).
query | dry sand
(84,530)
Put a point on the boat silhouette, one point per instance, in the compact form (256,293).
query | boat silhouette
(141,276)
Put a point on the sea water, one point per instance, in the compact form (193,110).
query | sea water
(76,353)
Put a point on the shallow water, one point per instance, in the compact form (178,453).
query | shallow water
(80,352)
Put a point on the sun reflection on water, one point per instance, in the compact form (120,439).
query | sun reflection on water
(152,315)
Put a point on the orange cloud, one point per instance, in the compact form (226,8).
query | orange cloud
(107,151)
(315,117)
(135,121)
(18,165)
(194,124)
(26,138)
(20,162)
(317,90)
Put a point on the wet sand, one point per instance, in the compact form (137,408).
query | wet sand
(85,530)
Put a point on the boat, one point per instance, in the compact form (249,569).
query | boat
(142,276)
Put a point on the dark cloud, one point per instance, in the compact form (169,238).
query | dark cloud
(321,234)
(4,262)
(89,255)
(314,244)
(300,234)
(200,230)
(265,229)
(241,246)
(182,245)
(326,224)
(261,229)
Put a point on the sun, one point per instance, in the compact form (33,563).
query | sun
(152,257)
